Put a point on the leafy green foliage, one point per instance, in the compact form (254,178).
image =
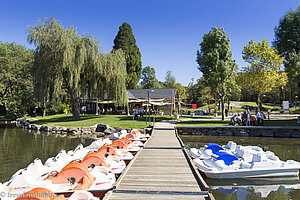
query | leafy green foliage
(125,40)
(148,78)
(215,62)
(198,93)
(287,43)
(68,61)
(263,73)
(112,77)
(287,33)
(181,91)
(169,80)
(15,79)
(292,68)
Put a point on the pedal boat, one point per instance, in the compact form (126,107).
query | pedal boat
(223,165)
(74,176)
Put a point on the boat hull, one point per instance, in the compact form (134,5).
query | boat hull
(248,173)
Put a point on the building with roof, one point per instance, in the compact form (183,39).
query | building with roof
(164,100)
(161,101)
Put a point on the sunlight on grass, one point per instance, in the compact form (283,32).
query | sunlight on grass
(115,121)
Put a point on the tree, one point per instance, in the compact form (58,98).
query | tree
(169,80)
(112,77)
(287,33)
(287,43)
(264,73)
(68,61)
(125,40)
(148,78)
(181,90)
(215,62)
(15,79)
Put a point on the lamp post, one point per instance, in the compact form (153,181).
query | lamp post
(147,105)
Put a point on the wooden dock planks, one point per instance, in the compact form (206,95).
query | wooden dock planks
(160,171)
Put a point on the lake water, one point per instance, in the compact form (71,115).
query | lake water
(248,189)
(18,148)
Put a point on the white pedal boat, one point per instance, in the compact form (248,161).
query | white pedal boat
(62,158)
(74,176)
(205,152)
(112,158)
(223,165)
(117,136)
(36,169)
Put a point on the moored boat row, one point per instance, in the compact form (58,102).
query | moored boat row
(91,170)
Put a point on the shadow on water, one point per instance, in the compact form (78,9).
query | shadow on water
(258,188)
(19,147)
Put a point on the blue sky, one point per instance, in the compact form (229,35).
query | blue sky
(167,32)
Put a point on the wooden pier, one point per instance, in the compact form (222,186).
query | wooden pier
(161,170)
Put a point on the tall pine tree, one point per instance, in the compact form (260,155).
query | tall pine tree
(125,40)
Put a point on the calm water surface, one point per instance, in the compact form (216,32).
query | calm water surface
(18,148)
(248,189)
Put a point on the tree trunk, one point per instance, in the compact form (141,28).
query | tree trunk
(75,108)
(222,96)
(228,105)
(44,107)
(223,107)
(259,105)
(209,100)
(216,103)
(6,108)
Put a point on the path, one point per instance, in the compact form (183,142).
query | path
(162,170)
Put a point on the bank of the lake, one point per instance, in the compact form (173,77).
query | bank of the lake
(268,188)
(19,147)
(253,131)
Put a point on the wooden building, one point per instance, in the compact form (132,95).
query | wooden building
(161,101)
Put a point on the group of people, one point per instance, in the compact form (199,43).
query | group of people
(246,119)
(138,112)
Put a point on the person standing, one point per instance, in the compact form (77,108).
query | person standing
(262,117)
(248,117)
(133,113)
(233,119)
(258,117)
(142,113)
(136,113)
(239,119)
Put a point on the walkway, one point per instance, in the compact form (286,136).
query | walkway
(162,170)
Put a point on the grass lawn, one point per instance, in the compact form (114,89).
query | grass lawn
(226,123)
(292,122)
(292,109)
(263,105)
(115,121)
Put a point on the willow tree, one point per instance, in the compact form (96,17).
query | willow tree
(112,77)
(68,61)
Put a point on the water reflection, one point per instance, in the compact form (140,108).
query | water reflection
(19,147)
(254,188)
